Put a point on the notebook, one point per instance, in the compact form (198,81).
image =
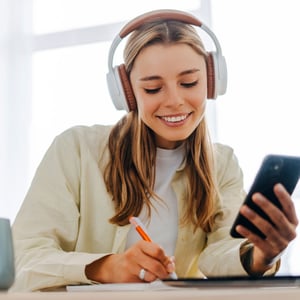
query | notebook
(153,286)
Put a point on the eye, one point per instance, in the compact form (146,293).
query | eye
(152,91)
(189,84)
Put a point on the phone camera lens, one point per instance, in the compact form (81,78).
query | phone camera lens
(276,166)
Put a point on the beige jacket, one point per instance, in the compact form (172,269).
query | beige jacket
(63,222)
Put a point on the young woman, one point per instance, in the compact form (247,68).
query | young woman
(156,163)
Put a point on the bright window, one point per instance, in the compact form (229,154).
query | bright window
(59,15)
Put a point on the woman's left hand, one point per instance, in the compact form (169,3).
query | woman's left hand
(267,251)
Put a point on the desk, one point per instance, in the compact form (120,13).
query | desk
(183,294)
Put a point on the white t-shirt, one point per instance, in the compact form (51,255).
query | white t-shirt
(163,226)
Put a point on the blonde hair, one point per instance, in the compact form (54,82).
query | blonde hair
(130,174)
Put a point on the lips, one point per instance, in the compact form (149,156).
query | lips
(174,119)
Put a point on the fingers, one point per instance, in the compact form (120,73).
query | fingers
(171,264)
(284,221)
(144,261)
(280,231)
(156,261)
(274,242)
(287,205)
(150,257)
(147,276)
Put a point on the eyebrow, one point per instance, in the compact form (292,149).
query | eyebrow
(156,77)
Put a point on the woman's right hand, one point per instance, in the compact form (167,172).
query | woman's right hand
(126,267)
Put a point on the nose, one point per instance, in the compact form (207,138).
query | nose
(173,97)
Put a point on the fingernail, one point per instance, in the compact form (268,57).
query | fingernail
(171,264)
(170,267)
(279,187)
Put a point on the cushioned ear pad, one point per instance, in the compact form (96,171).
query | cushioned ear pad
(210,70)
(131,102)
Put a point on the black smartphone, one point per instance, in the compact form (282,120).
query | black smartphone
(274,169)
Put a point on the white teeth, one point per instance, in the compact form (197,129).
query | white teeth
(175,119)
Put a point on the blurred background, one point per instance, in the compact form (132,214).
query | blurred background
(53,65)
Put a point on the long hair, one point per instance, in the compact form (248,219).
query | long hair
(130,173)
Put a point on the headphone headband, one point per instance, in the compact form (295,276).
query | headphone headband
(118,82)
(159,15)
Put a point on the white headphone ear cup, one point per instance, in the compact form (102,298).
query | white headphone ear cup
(116,90)
(220,74)
(223,75)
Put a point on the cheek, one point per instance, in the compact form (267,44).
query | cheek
(146,104)
(146,112)
(144,108)
(198,99)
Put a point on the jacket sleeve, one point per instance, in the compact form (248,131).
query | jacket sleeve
(46,227)
(222,253)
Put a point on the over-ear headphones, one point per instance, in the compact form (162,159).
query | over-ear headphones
(117,79)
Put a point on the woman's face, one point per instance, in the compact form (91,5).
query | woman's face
(170,86)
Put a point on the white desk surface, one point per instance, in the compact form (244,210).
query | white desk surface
(184,294)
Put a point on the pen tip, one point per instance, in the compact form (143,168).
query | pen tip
(173,275)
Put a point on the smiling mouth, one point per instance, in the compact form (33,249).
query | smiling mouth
(174,119)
